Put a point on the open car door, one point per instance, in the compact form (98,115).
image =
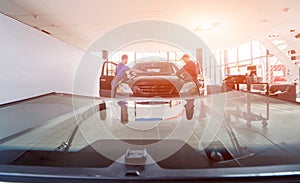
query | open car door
(107,76)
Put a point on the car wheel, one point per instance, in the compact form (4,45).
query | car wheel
(124,114)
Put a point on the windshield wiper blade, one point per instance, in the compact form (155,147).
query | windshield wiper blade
(65,145)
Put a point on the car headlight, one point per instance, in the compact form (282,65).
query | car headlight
(188,87)
(124,88)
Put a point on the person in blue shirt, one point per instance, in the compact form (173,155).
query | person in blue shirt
(120,73)
(122,67)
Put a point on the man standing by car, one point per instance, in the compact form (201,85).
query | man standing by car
(122,67)
(190,67)
(121,75)
(121,70)
(192,70)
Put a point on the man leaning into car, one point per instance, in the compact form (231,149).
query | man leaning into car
(191,68)
(122,67)
(121,70)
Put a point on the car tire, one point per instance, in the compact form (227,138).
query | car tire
(124,114)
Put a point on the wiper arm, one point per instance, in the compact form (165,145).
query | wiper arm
(65,145)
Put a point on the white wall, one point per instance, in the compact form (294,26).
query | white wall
(33,63)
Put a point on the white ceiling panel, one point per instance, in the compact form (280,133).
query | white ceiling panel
(49,6)
(10,8)
(79,22)
(32,21)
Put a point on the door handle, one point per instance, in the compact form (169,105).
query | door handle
(102,79)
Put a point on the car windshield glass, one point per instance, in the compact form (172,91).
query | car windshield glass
(250,131)
(156,68)
(129,91)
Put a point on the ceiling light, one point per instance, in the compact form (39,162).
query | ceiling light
(35,16)
(46,32)
(285,9)
(207,26)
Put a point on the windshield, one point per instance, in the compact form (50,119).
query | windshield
(142,91)
(242,138)
(155,68)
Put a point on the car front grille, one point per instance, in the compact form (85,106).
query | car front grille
(155,89)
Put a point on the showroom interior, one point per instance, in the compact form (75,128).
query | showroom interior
(238,34)
(60,93)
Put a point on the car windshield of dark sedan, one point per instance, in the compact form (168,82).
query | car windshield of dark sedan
(155,68)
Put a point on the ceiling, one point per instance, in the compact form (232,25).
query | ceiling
(80,22)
